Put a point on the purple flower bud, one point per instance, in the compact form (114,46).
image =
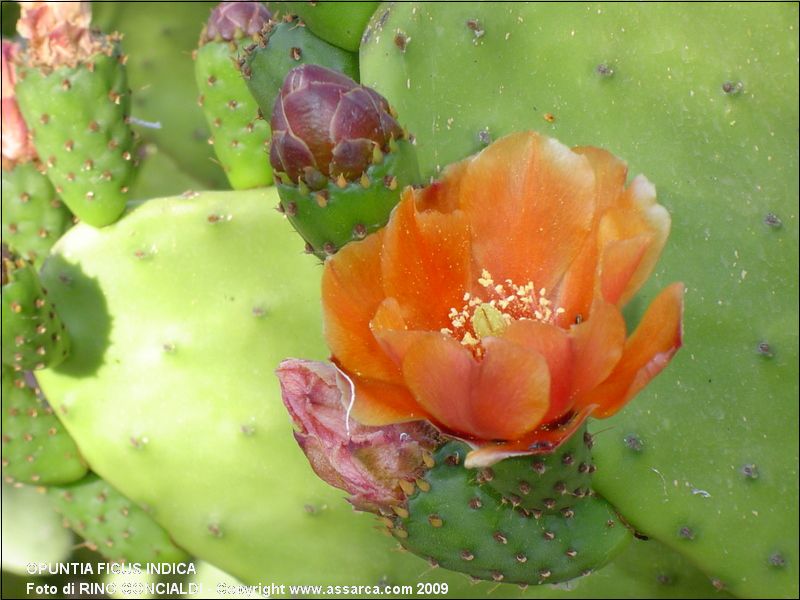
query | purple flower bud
(229,20)
(366,462)
(326,121)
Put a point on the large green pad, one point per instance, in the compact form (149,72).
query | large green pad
(36,447)
(159,39)
(284,46)
(339,23)
(33,215)
(239,137)
(78,117)
(181,311)
(460,524)
(702,99)
(329,218)
(111,524)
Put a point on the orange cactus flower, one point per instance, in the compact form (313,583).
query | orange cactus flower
(490,303)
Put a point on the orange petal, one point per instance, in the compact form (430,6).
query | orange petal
(577,289)
(380,403)
(426,262)
(390,329)
(646,353)
(636,214)
(530,204)
(554,345)
(619,264)
(440,372)
(444,194)
(541,440)
(597,346)
(352,291)
(511,391)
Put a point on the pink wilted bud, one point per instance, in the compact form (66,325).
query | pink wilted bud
(230,20)
(16,144)
(367,462)
(58,33)
(325,123)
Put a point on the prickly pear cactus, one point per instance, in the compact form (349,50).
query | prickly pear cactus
(33,215)
(702,101)
(36,448)
(76,103)
(339,23)
(239,137)
(34,336)
(111,524)
(459,521)
(282,46)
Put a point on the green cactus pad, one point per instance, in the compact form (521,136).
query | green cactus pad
(33,216)
(36,447)
(283,46)
(159,39)
(239,137)
(704,103)
(329,218)
(339,23)
(462,525)
(111,524)
(79,120)
(33,334)
(545,482)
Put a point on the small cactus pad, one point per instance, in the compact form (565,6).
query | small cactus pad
(36,447)
(339,23)
(111,524)
(33,215)
(239,137)
(462,525)
(33,334)
(344,211)
(281,47)
(78,117)
(548,483)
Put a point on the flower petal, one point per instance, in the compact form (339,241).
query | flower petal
(379,403)
(619,263)
(646,353)
(502,397)
(637,214)
(541,440)
(576,291)
(530,203)
(553,344)
(352,290)
(597,346)
(426,262)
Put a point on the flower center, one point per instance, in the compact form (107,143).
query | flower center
(490,312)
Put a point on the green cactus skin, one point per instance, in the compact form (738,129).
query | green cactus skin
(111,524)
(36,447)
(33,216)
(79,120)
(283,46)
(462,525)
(703,102)
(188,358)
(329,218)
(548,483)
(159,39)
(338,23)
(33,334)
(239,137)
